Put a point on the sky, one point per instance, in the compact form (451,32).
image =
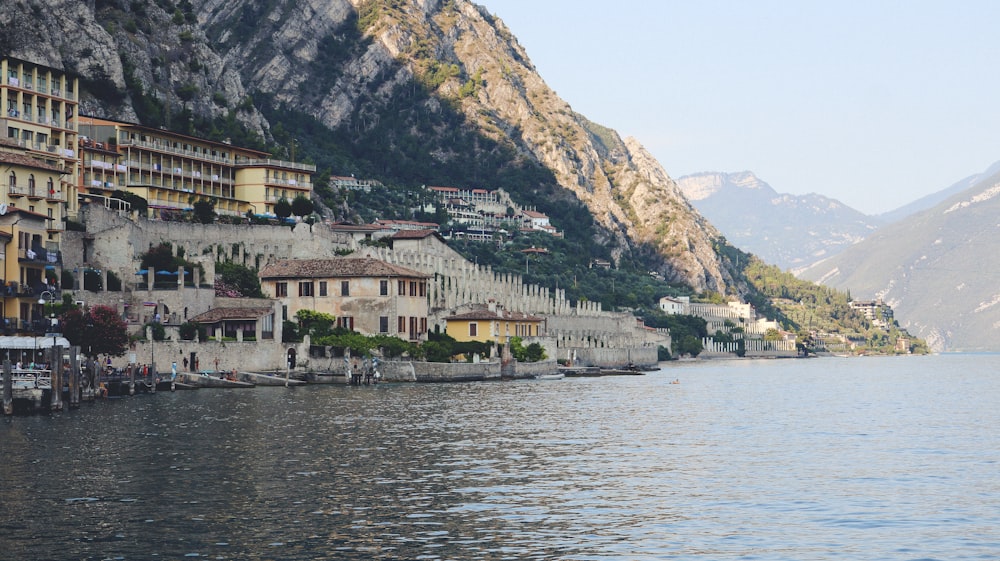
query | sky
(873,103)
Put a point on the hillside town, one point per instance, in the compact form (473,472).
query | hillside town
(67,215)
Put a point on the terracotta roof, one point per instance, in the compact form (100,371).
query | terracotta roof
(28,162)
(348,227)
(334,268)
(413,234)
(405,223)
(486,314)
(534,214)
(216,315)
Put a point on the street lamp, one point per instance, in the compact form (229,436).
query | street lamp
(48,298)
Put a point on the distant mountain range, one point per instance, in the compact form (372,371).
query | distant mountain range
(790,231)
(939,268)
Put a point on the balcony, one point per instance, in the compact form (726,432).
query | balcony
(38,255)
(53,225)
(164,148)
(268,163)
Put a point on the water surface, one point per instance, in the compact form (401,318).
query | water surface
(876,458)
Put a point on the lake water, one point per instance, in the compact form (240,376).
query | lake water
(874,458)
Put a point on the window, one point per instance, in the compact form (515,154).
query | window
(423,289)
(345,288)
(383,324)
(306,288)
(413,328)
(280,289)
(13,179)
(423,325)
(473,329)
(267,327)
(402,288)
(383,288)
(322,288)
(347,322)
(400,324)
(413,288)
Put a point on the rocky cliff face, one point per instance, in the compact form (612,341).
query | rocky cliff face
(345,62)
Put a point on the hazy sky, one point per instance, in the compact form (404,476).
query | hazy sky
(874,103)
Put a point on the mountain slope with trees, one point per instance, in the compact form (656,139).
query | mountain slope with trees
(409,92)
(936,269)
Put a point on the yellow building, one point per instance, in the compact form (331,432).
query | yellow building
(493,323)
(364,294)
(172,170)
(31,270)
(40,117)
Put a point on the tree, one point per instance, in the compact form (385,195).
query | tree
(301,206)
(204,211)
(137,203)
(159,333)
(283,208)
(315,324)
(188,330)
(237,281)
(97,331)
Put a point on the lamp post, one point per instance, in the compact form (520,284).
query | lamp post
(54,366)
(47,298)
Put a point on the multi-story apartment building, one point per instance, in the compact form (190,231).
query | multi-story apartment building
(876,311)
(38,136)
(172,170)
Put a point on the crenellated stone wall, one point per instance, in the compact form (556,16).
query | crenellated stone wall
(115,243)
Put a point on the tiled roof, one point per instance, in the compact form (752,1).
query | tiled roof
(348,227)
(485,314)
(334,268)
(405,223)
(27,161)
(216,315)
(413,234)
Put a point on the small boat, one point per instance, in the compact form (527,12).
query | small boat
(268,379)
(551,376)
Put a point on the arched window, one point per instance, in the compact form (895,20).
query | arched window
(31,184)
(52,188)
(13,179)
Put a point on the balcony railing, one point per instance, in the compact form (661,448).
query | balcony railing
(177,151)
(276,164)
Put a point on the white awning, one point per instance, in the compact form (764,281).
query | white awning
(41,342)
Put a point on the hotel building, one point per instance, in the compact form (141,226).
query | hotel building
(38,166)
(172,170)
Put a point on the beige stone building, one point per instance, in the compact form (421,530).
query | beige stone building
(364,294)
(171,170)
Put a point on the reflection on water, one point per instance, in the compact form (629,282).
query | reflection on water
(818,459)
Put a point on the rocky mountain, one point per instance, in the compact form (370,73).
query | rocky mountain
(926,202)
(405,85)
(938,269)
(790,231)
